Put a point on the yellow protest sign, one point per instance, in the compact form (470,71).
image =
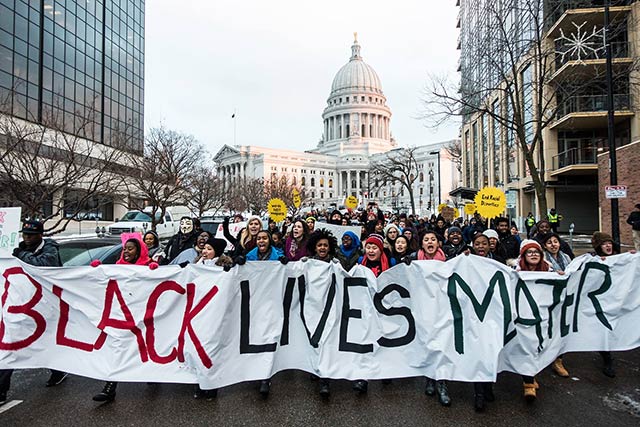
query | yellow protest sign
(351,202)
(490,202)
(470,208)
(277,210)
(441,206)
(297,200)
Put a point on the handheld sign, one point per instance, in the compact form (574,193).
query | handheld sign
(470,208)
(9,231)
(441,206)
(490,202)
(297,200)
(351,202)
(277,210)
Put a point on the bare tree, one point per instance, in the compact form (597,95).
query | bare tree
(204,191)
(398,166)
(54,174)
(247,194)
(517,86)
(283,188)
(170,158)
(454,149)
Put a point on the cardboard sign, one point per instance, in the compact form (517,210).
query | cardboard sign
(490,202)
(351,202)
(277,210)
(9,231)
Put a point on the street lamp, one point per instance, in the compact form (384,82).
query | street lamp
(439,176)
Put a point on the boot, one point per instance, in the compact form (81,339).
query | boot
(479,401)
(56,378)
(205,394)
(488,392)
(430,387)
(361,386)
(608,369)
(443,393)
(265,387)
(108,393)
(559,369)
(529,392)
(324,388)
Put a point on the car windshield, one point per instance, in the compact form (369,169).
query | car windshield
(85,257)
(137,216)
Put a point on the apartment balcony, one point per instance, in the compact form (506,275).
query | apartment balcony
(575,161)
(592,64)
(590,111)
(565,13)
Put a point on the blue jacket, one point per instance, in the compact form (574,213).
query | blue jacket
(273,256)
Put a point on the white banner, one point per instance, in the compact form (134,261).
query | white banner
(339,230)
(466,319)
(9,231)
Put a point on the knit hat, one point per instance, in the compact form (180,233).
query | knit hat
(491,234)
(529,244)
(454,229)
(310,218)
(390,226)
(218,245)
(376,239)
(599,238)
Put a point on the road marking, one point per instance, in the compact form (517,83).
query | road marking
(9,405)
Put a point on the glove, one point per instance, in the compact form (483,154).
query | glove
(407,260)
(303,259)
(227,267)
(240,260)
(283,260)
(183,264)
(153,265)
(226,220)
(16,252)
(95,263)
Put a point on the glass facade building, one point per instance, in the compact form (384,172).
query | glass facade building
(76,63)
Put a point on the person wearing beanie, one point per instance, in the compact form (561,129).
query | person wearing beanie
(213,253)
(531,259)
(311,223)
(335,218)
(509,243)
(495,251)
(152,241)
(391,233)
(377,261)
(455,244)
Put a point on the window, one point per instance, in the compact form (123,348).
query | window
(313,182)
(321,182)
(302,181)
(330,183)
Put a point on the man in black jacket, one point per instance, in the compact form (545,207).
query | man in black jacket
(39,252)
(455,244)
(634,221)
(508,242)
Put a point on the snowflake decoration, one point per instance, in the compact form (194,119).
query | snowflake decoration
(581,44)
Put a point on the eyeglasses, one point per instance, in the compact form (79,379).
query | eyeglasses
(532,252)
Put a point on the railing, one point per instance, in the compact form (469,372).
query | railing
(587,103)
(618,50)
(559,7)
(575,156)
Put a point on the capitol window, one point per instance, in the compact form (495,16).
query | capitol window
(313,182)
(321,182)
(330,184)
(302,181)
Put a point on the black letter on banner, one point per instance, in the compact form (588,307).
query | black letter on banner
(564,327)
(593,295)
(396,311)
(245,317)
(537,320)
(348,313)
(317,334)
(286,304)
(558,287)
(479,308)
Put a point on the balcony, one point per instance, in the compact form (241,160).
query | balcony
(590,111)
(567,12)
(592,64)
(575,161)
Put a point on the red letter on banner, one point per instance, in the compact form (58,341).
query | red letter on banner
(150,327)
(189,314)
(61,338)
(26,309)
(129,324)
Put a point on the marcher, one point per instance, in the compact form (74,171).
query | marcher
(134,252)
(455,244)
(335,217)
(185,238)
(152,241)
(192,255)
(531,259)
(544,227)
(296,243)
(400,249)
(529,222)
(245,241)
(391,232)
(430,251)
(311,224)
(34,250)
(495,251)
(509,244)
(634,222)
(349,251)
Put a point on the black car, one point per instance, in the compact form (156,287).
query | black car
(79,251)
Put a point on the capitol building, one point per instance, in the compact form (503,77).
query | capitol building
(356,132)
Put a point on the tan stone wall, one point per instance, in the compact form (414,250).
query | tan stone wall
(628,160)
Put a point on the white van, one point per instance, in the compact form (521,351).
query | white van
(140,221)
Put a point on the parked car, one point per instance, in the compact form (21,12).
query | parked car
(81,251)
(140,221)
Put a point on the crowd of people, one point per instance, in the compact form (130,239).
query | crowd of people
(382,243)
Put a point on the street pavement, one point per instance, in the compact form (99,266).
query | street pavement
(587,398)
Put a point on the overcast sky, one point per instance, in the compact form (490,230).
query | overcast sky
(274,62)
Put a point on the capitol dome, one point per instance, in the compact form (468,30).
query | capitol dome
(356,76)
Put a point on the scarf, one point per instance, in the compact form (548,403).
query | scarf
(355,244)
(376,266)
(438,256)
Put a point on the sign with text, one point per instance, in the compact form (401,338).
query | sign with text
(10,226)
(490,202)
(466,319)
(615,191)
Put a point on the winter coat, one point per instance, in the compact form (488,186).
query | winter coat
(178,243)
(634,220)
(45,255)
(275,254)
(451,251)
